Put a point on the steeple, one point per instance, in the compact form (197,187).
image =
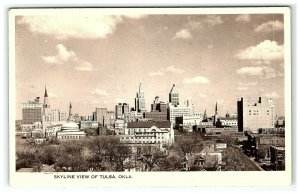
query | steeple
(46,105)
(204,115)
(216,109)
(46,94)
(70,112)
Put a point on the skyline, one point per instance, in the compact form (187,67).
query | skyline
(160,50)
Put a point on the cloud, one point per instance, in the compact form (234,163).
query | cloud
(174,70)
(99,92)
(196,80)
(269,26)
(243,18)
(213,20)
(267,51)
(162,71)
(65,27)
(243,88)
(156,73)
(260,71)
(83,66)
(64,56)
(272,95)
(183,34)
(194,23)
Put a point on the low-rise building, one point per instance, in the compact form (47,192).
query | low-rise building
(70,131)
(88,124)
(51,130)
(271,140)
(149,133)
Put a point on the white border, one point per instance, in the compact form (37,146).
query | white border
(157,179)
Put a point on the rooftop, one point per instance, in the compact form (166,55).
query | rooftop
(148,124)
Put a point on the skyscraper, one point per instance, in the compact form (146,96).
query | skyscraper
(120,109)
(32,111)
(140,100)
(255,115)
(174,96)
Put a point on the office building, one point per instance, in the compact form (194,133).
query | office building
(32,111)
(255,115)
(174,96)
(159,111)
(140,100)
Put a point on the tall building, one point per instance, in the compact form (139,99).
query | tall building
(104,117)
(120,109)
(159,111)
(140,100)
(46,105)
(174,96)
(63,116)
(55,115)
(255,115)
(32,111)
(180,110)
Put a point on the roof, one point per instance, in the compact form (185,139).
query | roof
(227,118)
(148,124)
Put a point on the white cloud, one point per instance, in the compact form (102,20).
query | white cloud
(64,27)
(213,20)
(99,92)
(83,66)
(267,51)
(64,56)
(269,26)
(243,18)
(162,71)
(243,88)
(196,80)
(272,95)
(194,23)
(156,73)
(183,34)
(174,70)
(260,71)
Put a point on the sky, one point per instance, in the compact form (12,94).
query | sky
(98,61)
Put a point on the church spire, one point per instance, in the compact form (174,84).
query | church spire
(46,94)
(216,109)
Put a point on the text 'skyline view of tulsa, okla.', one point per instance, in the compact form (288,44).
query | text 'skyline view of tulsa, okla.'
(140,93)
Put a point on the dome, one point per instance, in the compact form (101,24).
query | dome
(70,126)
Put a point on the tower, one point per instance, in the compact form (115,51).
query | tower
(205,116)
(70,112)
(140,100)
(216,116)
(46,105)
(174,96)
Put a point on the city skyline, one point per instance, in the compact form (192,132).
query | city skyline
(102,66)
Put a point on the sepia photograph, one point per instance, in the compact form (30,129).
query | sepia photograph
(123,93)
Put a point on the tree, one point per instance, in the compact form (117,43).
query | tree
(211,163)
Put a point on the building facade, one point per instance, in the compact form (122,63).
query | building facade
(32,111)
(180,111)
(255,115)
(140,100)
(161,133)
(159,111)
(174,96)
